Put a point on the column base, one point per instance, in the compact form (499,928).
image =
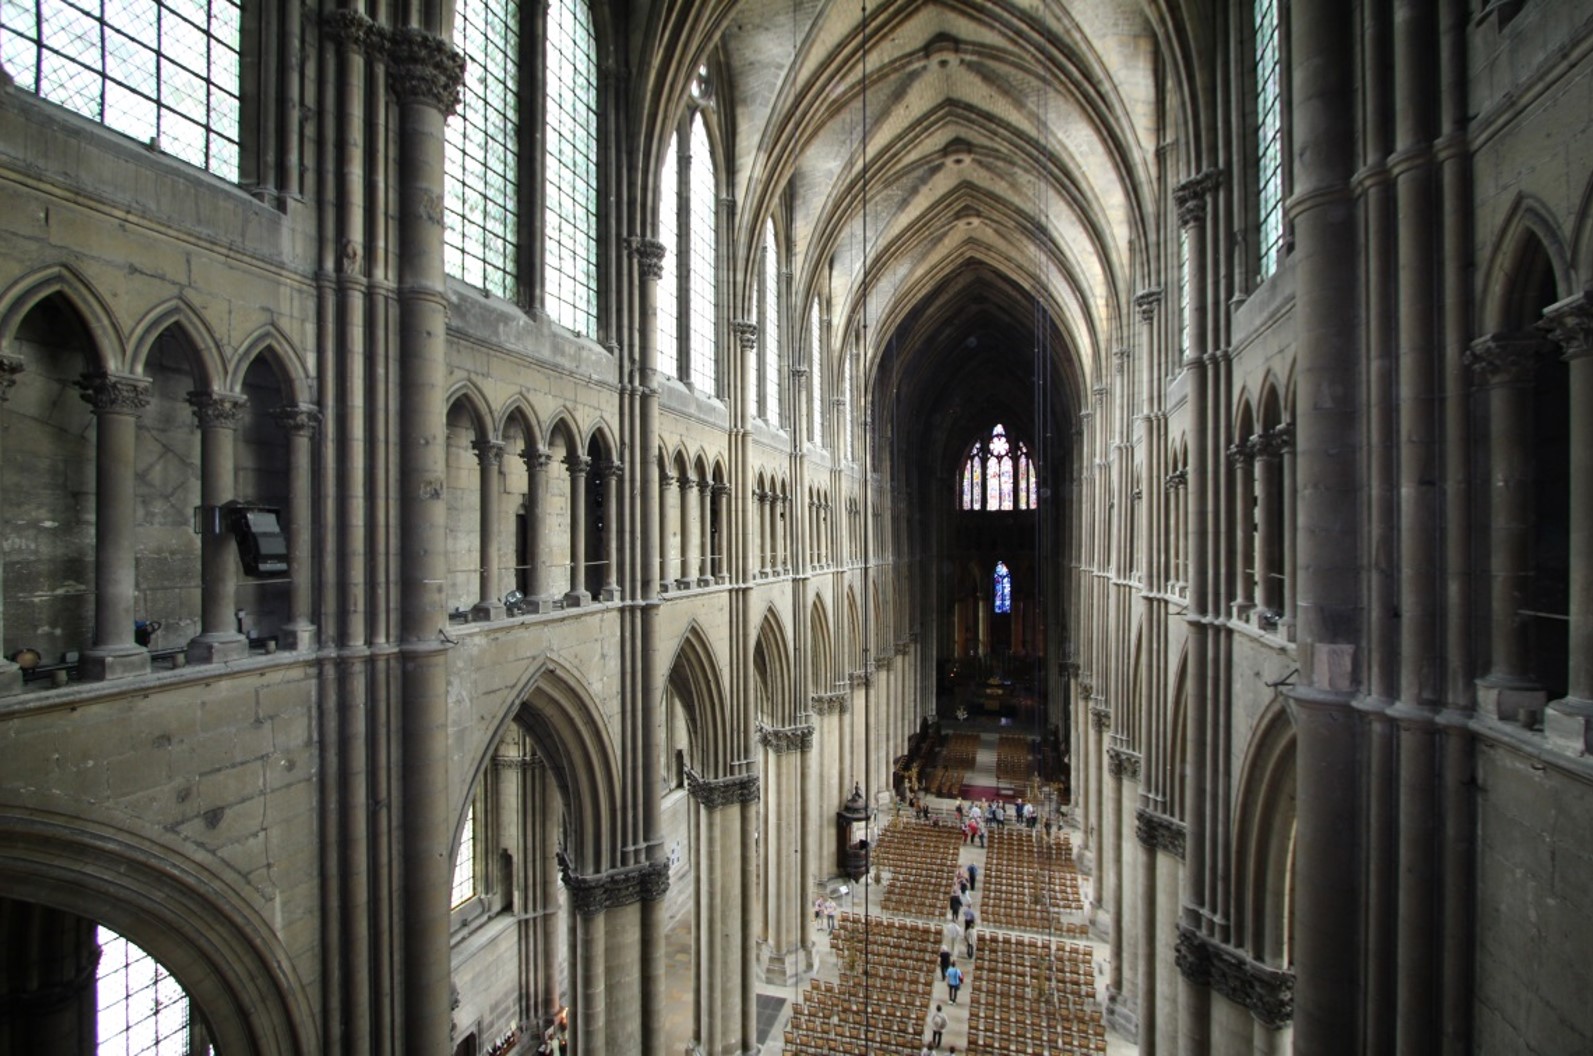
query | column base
(539,605)
(112,662)
(705,581)
(1511,700)
(1568,722)
(217,648)
(785,969)
(1122,1015)
(682,584)
(299,637)
(612,594)
(576,598)
(484,611)
(10,678)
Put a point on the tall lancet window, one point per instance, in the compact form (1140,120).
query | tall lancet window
(999,475)
(570,192)
(769,332)
(816,374)
(480,166)
(1269,136)
(704,201)
(669,284)
(1003,587)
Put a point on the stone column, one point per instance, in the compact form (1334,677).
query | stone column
(1569,720)
(1269,500)
(611,472)
(588,1014)
(117,400)
(489,456)
(705,576)
(720,557)
(579,466)
(1246,590)
(10,674)
(669,511)
(299,423)
(219,640)
(1505,366)
(688,533)
(536,499)
(425,75)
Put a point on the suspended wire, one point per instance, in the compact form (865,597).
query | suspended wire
(867,558)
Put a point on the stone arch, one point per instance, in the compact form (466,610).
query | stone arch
(226,956)
(852,644)
(1528,243)
(200,342)
(468,395)
(553,704)
(821,665)
(105,337)
(1178,735)
(270,344)
(694,677)
(1264,814)
(519,410)
(771,672)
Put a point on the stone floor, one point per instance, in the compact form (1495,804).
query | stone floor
(774,1001)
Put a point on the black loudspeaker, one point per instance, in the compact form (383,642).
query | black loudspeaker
(261,544)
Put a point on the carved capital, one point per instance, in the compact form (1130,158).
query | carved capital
(488,452)
(829,703)
(1266,991)
(536,459)
(1189,197)
(783,739)
(352,30)
(746,332)
(649,256)
(1122,762)
(716,792)
(719,489)
(1569,324)
(1192,957)
(217,410)
(298,419)
(425,69)
(115,393)
(1178,478)
(1273,442)
(1507,359)
(1147,301)
(1242,452)
(1100,717)
(10,367)
(617,887)
(610,469)
(589,894)
(577,464)
(1159,832)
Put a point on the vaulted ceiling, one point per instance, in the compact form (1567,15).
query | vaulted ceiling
(974,179)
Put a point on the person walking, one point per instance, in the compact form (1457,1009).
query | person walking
(973,874)
(953,980)
(956,905)
(969,940)
(937,1023)
(945,961)
(829,914)
(953,934)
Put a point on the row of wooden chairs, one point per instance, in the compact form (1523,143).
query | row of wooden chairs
(922,862)
(1014,759)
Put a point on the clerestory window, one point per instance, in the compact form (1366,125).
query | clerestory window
(480,169)
(999,475)
(570,194)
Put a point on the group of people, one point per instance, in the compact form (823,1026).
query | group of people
(824,910)
(975,818)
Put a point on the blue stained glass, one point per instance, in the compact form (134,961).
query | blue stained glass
(1003,587)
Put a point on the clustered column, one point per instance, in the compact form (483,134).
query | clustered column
(299,423)
(10,674)
(536,464)
(489,454)
(218,415)
(579,466)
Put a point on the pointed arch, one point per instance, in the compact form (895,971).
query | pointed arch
(694,677)
(200,342)
(518,410)
(1263,820)
(822,667)
(22,296)
(1513,267)
(468,394)
(271,344)
(772,675)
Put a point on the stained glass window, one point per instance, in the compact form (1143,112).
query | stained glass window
(769,334)
(464,885)
(1183,292)
(816,375)
(480,171)
(163,73)
(1003,587)
(993,479)
(704,374)
(973,491)
(1269,135)
(570,192)
(669,284)
(141,1008)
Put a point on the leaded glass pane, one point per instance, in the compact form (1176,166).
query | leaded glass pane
(141,1009)
(967,485)
(704,200)
(770,332)
(464,882)
(816,374)
(976,466)
(1003,587)
(1269,138)
(481,164)
(570,206)
(669,285)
